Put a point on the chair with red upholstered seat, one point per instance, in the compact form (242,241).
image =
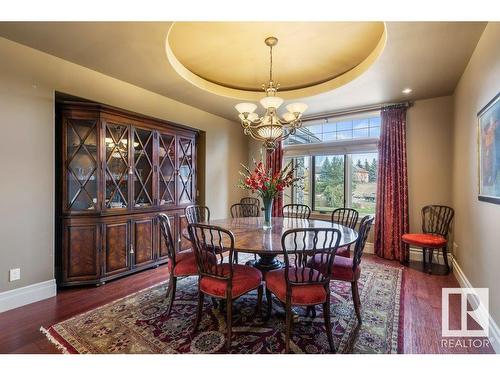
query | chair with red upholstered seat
(181,264)
(349,269)
(436,221)
(219,279)
(347,217)
(300,284)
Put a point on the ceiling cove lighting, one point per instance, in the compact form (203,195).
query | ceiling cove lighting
(270,128)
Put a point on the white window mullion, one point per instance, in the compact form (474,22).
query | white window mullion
(348,180)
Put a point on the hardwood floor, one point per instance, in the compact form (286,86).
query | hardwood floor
(421,303)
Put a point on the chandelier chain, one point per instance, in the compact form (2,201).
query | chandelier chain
(271,63)
(270,128)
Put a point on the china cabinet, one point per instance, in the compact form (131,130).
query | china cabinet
(116,170)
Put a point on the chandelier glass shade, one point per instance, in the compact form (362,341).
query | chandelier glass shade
(271,128)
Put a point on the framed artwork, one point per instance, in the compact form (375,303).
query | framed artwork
(489,151)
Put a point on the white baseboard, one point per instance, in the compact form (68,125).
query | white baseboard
(28,294)
(494,330)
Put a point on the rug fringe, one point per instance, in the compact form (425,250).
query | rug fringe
(53,340)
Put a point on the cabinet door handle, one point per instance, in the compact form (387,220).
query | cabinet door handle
(131,249)
(130,170)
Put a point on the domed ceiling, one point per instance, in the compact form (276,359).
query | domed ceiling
(231,59)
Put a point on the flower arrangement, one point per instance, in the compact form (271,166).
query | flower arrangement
(266,184)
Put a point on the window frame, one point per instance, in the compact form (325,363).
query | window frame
(345,148)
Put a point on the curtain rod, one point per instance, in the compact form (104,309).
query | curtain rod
(352,111)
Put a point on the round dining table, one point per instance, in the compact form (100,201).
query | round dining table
(250,236)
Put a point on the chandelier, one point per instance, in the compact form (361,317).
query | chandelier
(270,128)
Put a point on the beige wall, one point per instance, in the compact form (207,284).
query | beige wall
(28,79)
(477,230)
(429,153)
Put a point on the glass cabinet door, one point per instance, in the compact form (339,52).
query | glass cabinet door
(166,169)
(143,168)
(81,164)
(117,165)
(185,158)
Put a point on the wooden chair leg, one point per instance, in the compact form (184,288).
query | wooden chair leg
(424,256)
(312,310)
(445,257)
(288,324)
(214,303)
(169,288)
(201,299)
(328,325)
(235,258)
(173,283)
(356,300)
(429,270)
(229,322)
(269,298)
(260,291)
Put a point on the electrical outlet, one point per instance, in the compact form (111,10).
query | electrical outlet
(15,274)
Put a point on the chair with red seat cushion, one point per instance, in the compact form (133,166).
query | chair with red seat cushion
(298,284)
(219,279)
(180,264)
(436,221)
(347,217)
(349,269)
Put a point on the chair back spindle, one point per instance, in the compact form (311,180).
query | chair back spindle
(244,210)
(345,216)
(209,243)
(437,219)
(296,211)
(197,214)
(251,200)
(300,247)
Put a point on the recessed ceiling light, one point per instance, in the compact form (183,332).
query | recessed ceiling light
(407,91)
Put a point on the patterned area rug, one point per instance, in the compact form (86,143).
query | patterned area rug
(137,324)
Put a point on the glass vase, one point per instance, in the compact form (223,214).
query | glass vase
(268,211)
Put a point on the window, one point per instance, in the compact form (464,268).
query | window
(300,193)
(339,160)
(330,130)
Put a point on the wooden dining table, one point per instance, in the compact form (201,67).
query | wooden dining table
(251,237)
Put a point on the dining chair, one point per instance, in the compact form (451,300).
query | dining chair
(244,210)
(181,264)
(197,214)
(296,211)
(347,217)
(251,200)
(348,269)
(221,280)
(299,284)
(436,221)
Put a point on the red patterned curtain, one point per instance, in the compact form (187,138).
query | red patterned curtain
(392,191)
(274,160)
